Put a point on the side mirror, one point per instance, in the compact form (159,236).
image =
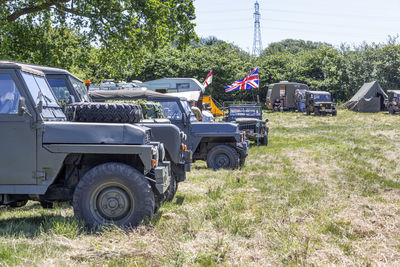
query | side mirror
(21,106)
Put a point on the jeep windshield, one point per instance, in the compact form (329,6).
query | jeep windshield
(80,89)
(322,97)
(40,91)
(244,112)
(171,110)
(188,110)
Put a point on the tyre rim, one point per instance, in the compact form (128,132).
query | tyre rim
(111,203)
(222,160)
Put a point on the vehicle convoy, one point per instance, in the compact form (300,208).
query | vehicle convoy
(393,102)
(111,172)
(319,103)
(249,119)
(221,145)
(69,89)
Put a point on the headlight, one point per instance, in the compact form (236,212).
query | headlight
(183,136)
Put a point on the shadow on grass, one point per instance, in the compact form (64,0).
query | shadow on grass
(30,226)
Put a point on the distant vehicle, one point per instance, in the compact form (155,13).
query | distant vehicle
(319,103)
(393,101)
(174,85)
(137,85)
(285,92)
(249,119)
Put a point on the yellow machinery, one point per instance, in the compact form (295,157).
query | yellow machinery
(214,109)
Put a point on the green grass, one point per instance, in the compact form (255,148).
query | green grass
(326,190)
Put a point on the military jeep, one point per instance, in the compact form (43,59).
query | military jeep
(221,145)
(70,92)
(319,103)
(111,172)
(249,119)
(393,102)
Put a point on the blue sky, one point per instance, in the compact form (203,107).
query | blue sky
(335,21)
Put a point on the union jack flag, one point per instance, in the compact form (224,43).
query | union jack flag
(251,81)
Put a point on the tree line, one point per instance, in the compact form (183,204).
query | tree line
(125,40)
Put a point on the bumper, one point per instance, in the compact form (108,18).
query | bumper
(244,147)
(187,155)
(162,176)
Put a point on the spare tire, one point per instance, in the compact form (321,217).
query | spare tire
(104,112)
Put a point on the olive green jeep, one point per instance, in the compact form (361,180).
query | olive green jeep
(110,172)
(320,103)
(393,102)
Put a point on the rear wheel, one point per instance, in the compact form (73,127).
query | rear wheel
(171,190)
(223,157)
(334,113)
(316,112)
(391,110)
(264,140)
(113,193)
(18,204)
(308,111)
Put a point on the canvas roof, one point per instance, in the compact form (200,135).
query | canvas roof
(126,94)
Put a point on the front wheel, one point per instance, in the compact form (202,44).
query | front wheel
(391,110)
(113,193)
(222,157)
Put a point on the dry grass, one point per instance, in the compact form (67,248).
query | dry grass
(326,191)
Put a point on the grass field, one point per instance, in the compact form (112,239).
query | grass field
(325,191)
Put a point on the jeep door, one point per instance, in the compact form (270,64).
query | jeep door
(17,136)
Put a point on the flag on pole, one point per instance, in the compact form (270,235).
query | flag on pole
(208,79)
(251,81)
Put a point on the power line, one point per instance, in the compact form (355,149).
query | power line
(352,15)
(257,43)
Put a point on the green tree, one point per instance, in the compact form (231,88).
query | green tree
(120,30)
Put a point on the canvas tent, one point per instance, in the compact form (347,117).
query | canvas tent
(370,98)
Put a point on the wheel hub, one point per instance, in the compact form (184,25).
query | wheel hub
(222,160)
(113,203)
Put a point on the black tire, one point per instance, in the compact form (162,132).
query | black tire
(391,110)
(171,190)
(46,204)
(334,113)
(308,111)
(104,112)
(18,204)
(316,112)
(264,140)
(223,157)
(113,193)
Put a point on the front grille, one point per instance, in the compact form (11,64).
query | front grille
(147,138)
(244,127)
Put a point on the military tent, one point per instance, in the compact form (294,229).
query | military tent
(370,98)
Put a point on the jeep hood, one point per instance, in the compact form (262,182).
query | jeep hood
(214,127)
(93,133)
(249,120)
